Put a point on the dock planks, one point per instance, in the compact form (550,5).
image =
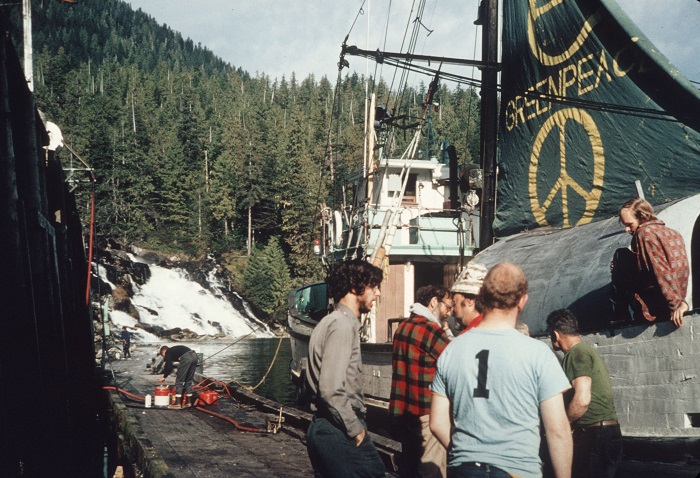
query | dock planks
(189,443)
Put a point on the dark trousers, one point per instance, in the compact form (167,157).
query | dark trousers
(126,350)
(476,470)
(597,451)
(407,430)
(334,455)
(185,372)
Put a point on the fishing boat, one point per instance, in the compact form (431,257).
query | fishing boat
(406,219)
(591,115)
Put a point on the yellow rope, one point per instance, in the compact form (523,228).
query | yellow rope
(249,388)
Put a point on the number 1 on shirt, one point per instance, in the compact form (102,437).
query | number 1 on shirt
(481,391)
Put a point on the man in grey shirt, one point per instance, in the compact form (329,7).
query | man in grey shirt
(337,440)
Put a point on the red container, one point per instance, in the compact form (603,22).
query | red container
(209,397)
(161,398)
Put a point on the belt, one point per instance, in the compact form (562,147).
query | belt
(604,423)
(484,466)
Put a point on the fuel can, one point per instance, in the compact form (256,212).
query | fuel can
(209,397)
(161,396)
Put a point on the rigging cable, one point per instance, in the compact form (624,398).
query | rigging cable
(269,369)
(471,98)
(592,105)
(92,219)
(327,160)
(386,36)
(231,345)
(359,12)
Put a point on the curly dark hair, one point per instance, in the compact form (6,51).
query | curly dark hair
(563,321)
(352,276)
(503,287)
(426,293)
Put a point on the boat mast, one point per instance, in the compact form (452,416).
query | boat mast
(488,16)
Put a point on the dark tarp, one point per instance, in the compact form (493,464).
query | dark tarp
(571,162)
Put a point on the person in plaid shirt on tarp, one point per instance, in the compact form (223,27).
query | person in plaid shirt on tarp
(661,280)
(418,342)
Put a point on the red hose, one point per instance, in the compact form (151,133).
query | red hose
(121,390)
(231,421)
(201,409)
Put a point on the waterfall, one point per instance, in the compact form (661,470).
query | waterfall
(170,299)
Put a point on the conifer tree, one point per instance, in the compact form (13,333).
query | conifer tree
(267,280)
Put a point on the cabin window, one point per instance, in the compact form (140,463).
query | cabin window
(692,420)
(410,194)
(312,301)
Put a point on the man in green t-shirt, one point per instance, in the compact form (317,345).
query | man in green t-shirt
(589,405)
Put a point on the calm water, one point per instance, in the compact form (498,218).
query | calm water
(246,361)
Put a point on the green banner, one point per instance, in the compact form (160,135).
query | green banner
(588,106)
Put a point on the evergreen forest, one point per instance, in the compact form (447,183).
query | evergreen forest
(194,155)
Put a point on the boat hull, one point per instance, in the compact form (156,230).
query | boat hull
(655,368)
(376,364)
(654,371)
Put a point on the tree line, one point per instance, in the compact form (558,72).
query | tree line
(194,155)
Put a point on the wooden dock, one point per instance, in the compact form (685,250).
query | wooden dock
(162,443)
(158,442)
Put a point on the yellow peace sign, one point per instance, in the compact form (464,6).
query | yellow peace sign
(545,58)
(565,182)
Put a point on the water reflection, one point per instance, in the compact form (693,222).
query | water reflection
(246,362)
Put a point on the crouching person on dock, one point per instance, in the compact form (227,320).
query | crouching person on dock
(337,439)
(187,365)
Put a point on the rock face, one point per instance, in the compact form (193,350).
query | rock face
(121,270)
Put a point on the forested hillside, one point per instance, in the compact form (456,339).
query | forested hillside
(190,153)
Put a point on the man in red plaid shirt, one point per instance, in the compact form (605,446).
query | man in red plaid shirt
(661,280)
(418,342)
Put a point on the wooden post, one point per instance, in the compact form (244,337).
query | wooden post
(28,53)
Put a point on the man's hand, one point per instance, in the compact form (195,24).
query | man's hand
(441,419)
(360,437)
(677,315)
(161,379)
(558,432)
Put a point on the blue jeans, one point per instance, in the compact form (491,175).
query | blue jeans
(334,455)
(476,470)
(597,451)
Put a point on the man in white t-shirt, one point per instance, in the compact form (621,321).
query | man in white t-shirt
(491,386)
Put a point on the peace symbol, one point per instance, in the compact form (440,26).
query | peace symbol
(565,182)
(545,58)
